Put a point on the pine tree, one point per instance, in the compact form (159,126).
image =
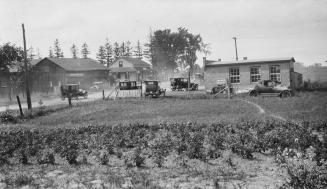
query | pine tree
(101,55)
(57,50)
(30,53)
(108,53)
(50,52)
(122,49)
(116,50)
(74,51)
(128,49)
(38,55)
(138,52)
(85,50)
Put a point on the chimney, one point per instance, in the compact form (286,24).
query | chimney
(245,58)
(219,59)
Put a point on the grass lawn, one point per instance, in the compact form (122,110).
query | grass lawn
(304,106)
(151,111)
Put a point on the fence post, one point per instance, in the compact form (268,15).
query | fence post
(103,94)
(20,106)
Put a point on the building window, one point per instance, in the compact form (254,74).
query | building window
(274,72)
(120,63)
(255,74)
(234,75)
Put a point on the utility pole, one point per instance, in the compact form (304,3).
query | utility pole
(236,48)
(28,96)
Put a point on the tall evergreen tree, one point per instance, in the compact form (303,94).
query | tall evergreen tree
(30,53)
(138,52)
(50,52)
(122,49)
(38,54)
(85,50)
(116,50)
(128,49)
(108,53)
(58,53)
(101,55)
(74,51)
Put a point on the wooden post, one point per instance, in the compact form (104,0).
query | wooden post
(20,106)
(69,100)
(103,94)
(228,90)
(141,88)
(29,103)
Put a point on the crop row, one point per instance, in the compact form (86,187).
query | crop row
(193,140)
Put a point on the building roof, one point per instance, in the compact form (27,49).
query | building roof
(123,69)
(77,64)
(137,62)
(257,61)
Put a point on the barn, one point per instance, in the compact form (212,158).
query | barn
(245,74)
(50,73)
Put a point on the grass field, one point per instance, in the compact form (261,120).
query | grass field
(150,111)
(230,169)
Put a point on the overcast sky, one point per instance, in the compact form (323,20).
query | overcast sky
(264,29)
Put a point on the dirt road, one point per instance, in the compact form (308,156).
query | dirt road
(56,101)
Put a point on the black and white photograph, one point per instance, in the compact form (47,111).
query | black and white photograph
(163,94)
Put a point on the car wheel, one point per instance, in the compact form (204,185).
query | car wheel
(285,94)
(254,93)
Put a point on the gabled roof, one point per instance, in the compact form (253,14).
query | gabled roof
(137,62)
(267,60)
(77,64)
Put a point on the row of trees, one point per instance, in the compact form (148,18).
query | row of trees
(166,50)
(106,54)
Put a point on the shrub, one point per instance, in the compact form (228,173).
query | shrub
(18,179)
(46,156)
(8,117)
(303,171)
(161,145)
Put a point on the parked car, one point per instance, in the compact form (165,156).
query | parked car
(153,89)
(221,87)
(73,91)
(129,85)
(182,84)
(271,87)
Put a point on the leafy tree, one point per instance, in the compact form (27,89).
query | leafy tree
(50,52)
(138,52)
(85,50)
(58,53)
(101,55)
(74,51)
(9,54)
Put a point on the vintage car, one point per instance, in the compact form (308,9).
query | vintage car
(153,89)
(182,84)
(129,85)
(72,91)
(221,87)
(272,88)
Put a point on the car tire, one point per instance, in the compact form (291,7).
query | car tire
(254,93)
(285,94)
